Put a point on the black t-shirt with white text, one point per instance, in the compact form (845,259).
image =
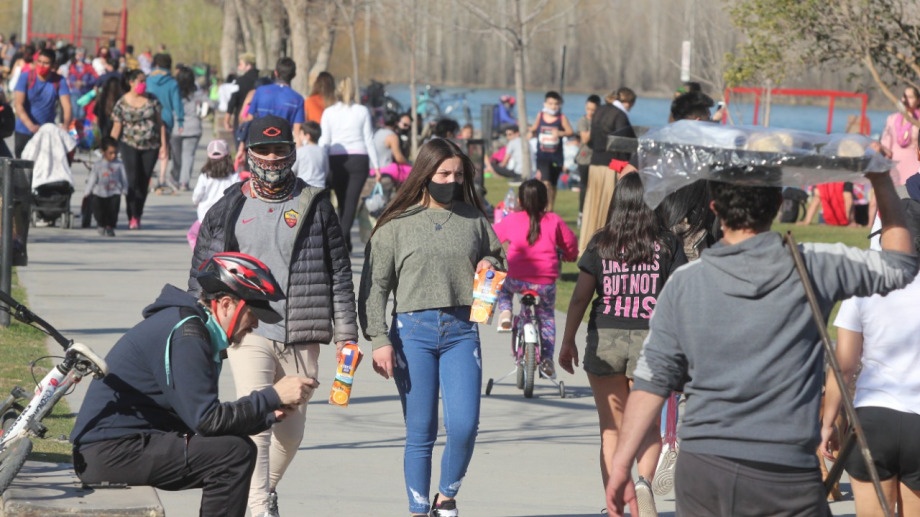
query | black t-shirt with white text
(626,295)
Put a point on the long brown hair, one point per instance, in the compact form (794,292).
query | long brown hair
(533,196)
(415,189)
(324,86)
(632,228)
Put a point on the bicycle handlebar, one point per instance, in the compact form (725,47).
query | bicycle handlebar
(23,314)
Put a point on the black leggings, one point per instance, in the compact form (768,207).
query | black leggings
(221,465)
(139,164)
(583,185)
(347,174)
(105,210)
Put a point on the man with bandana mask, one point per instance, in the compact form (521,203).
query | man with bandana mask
(293,228)
(35,99)
(155,420)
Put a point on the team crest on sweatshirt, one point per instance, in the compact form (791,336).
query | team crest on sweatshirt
(291,217)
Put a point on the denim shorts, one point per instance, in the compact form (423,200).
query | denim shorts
(613,351)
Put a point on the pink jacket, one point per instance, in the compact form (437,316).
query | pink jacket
(537,264)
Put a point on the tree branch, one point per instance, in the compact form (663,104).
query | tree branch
(870,64)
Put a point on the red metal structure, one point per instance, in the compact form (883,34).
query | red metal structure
(831,95)
(114,26)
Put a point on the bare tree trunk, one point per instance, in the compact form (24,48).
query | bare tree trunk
(300,42)
(243,17)
(352,35)
(519,82)
(328,41)
(413,80)
(367,36)
(228,39)
(272,23)
(253,13)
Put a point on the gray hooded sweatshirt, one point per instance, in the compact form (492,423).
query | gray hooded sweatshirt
(734,332)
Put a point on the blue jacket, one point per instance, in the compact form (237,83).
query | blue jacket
(166,90)
(136,397)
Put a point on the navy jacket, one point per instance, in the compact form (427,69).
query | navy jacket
(135,397)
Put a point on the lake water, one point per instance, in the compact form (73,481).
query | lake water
(652,112)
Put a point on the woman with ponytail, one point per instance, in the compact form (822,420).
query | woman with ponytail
(534,239)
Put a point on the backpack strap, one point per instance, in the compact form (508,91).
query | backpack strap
(169,345)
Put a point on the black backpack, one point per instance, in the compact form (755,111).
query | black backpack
(7,120)
(793,205)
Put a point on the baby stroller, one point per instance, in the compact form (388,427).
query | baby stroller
(52,151)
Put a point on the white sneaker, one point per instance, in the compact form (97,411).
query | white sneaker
(664,474)
(645,499)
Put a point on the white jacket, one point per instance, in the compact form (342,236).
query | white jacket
(48,148)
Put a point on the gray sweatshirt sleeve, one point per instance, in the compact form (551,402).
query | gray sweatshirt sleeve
(840,271)
(377,281)
(662,365)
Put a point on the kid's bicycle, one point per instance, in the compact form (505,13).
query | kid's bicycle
(525,349)
(20,424)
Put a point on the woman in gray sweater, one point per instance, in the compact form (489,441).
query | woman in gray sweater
(425,249)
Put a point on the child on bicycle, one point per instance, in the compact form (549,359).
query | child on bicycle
(534,238)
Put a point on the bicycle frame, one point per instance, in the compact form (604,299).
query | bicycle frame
(525,335)
(79,360)
(48,392)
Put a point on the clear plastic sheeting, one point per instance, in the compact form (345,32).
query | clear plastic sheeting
(678,154)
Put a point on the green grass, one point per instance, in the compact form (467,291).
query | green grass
(567,207)
(21,344)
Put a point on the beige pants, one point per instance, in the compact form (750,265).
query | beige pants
(257,363)
(601,184)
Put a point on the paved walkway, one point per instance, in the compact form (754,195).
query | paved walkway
(534,457)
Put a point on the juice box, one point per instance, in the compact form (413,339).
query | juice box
(486,285)
(348,359)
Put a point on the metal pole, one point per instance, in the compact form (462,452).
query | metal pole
(26,26)
(838,375)
(6,257)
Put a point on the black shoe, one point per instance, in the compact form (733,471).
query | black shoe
(444,508)
(110,232)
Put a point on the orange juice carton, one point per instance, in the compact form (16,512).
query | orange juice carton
(348,359)
(486,285)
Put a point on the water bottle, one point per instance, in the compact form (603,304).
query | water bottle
(510,201)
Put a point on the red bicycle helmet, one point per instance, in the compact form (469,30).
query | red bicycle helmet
(245,277)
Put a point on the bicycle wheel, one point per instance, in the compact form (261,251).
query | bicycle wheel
(517,343)
(429,110)
(7,419)
(530,367)
(12,457)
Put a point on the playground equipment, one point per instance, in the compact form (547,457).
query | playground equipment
(832,96)
(114,25)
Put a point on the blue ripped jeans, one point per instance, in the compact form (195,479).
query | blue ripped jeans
(437,350)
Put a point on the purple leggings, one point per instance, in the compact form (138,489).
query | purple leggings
(545,309)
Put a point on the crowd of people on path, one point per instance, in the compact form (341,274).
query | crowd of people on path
(270,283)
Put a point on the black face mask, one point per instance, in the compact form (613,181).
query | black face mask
(444,193)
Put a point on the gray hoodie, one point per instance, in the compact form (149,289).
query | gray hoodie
(734,332)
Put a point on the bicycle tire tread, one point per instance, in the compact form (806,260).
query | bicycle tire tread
(12,458)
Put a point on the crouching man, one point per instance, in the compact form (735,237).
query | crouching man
(155,419)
